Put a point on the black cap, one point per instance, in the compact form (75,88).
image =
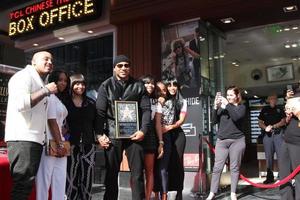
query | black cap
(120,58)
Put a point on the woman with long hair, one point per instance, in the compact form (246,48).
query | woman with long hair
(81,121)
(152,143)
(53,170)
(229,113)
(170,116)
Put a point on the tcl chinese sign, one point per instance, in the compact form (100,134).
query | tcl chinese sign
(52,13)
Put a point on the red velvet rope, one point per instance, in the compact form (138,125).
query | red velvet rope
(259,185)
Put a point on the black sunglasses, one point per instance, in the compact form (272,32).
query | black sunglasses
(121,65)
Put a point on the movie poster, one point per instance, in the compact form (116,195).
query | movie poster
(6,72)
(181,45)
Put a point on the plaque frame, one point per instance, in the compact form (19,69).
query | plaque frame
(127,123)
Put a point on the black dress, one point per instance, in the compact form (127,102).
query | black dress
(150,141)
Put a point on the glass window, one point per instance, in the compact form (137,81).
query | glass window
(93,58)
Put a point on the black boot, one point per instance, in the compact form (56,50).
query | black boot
(270,177)
(179,195)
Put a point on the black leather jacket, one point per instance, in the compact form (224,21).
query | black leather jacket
(113,89)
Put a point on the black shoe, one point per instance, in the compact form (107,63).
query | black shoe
(268,181)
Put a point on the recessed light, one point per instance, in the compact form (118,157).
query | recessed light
(255,96)
(35,44)
(290,8)
(295,27)
(90,31)
(227,20)
(287,46)
(245,91)
(61,38)
(287,29)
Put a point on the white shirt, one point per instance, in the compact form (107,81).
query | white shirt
(23,122)
(56,110)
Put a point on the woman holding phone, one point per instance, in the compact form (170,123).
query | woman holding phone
(228,114)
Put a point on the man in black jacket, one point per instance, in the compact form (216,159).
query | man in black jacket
(122,87)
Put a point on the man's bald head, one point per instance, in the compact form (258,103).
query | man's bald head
(42,62)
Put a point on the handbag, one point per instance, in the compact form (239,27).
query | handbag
(51,148)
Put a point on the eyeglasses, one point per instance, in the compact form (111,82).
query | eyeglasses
(123,65)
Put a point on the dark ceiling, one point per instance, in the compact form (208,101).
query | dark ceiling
(245,13)
(6,4)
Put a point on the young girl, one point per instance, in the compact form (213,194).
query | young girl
(81,121)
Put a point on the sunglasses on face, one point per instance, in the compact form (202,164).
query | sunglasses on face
(121,65)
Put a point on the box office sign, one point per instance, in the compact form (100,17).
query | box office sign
(53,14)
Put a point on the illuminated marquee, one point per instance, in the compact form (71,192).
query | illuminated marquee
(52,13)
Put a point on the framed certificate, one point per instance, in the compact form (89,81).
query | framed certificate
(127,118)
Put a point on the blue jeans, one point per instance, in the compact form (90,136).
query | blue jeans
(24,160)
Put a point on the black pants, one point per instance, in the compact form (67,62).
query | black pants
(176,171)
(113,156)
(289,160)
(24,160)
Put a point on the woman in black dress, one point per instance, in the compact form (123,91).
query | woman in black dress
(152,143)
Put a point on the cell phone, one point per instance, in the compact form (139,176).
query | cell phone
(219,94)
(289,87)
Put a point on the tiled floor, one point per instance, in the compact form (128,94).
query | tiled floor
(244,193)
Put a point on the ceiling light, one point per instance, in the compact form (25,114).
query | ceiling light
(35,44)
(90,31)
(287,29)
(234,63)
(290,8)
(287,46)
(227,20)
(61,38)
(222,56)
(295,27)
(216,57)
(255,96)
(245,91)
(295,58)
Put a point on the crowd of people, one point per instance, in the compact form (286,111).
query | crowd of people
(49,105)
